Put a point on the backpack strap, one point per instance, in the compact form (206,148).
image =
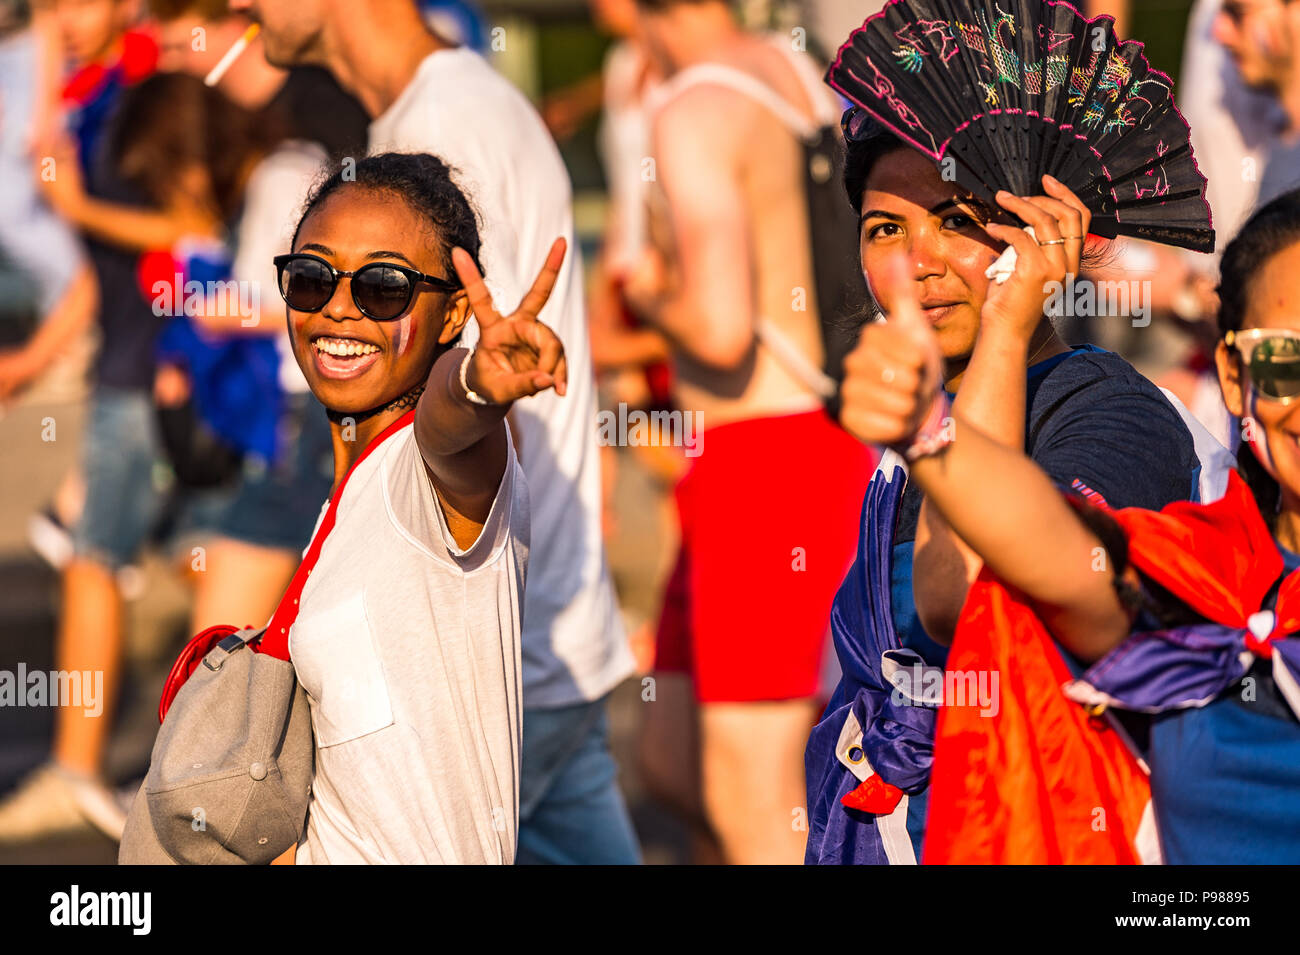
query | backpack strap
(826,108)
(787,353)
(275,641)
(718,74)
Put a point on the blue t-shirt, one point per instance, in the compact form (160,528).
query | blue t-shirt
(1225,777)
(1089,418)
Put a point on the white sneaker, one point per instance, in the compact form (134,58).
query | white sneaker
(50,538)
(100,805)
(53,800)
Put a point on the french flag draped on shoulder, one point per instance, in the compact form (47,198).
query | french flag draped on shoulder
(1051,779)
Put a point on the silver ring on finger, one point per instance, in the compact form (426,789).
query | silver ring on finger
(888,375)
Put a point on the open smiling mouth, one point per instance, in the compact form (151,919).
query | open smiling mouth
(341,358)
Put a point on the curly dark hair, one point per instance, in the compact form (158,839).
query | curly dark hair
(422,181)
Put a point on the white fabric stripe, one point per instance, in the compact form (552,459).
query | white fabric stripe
(1147,840)
(894,836)
(745,85)
(1286,682)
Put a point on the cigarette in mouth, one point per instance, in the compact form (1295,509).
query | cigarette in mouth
(240,45)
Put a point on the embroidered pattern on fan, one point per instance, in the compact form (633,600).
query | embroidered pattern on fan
(931,72)
(921,39)
(883,88)
(1160,185)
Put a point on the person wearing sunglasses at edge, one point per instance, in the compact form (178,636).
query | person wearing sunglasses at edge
(1193,619)
(1082,414)
(407,635)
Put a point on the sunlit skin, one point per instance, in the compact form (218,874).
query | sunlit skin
(908,208)
(291,32)
(91,30)
(947,240)
(1273,302)
(353,227)
(1252,33)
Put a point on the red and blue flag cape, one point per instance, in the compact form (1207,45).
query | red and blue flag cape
(1048,779)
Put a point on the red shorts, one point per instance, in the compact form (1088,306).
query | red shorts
(769,514)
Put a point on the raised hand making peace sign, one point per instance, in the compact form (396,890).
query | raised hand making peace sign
(516,355)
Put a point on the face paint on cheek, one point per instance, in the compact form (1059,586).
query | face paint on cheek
(405,332)
(1255,435)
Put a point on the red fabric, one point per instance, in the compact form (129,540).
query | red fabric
(751,610)
(873,795)
(138,60)
(1022,786)
(673,637)
(1039,781)
(1219,559)
(188,662)
(159,266)
(139,56)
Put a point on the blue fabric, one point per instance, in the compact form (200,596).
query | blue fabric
(236,381)
(128,325)
(1153,671)
(1225,777)
(1225,782)
(236,378)
(90,119)
(897,736)
(1089,417)
(571,811)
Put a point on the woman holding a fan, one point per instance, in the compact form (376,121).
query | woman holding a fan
(1191,617)
(1083,415)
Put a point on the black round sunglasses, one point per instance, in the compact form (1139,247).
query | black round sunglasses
(381,290)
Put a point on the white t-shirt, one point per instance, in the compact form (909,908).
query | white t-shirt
(459,109)
(624,141)
(277,191)
(408,649)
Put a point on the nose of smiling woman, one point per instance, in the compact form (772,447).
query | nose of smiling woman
(340,307)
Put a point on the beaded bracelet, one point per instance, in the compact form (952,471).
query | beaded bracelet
(937,432)
(473,396)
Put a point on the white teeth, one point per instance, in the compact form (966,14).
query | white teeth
(343,347)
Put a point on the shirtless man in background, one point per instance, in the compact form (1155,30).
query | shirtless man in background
(742,633)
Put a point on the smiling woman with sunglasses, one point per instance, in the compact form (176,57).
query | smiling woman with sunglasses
(406,632)
(1192,624)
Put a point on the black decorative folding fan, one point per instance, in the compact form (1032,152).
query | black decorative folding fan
(1013,89)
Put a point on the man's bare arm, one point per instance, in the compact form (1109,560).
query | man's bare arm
(709,312)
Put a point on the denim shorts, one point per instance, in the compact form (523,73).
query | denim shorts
(277,506)
(131,495)
(124,490)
